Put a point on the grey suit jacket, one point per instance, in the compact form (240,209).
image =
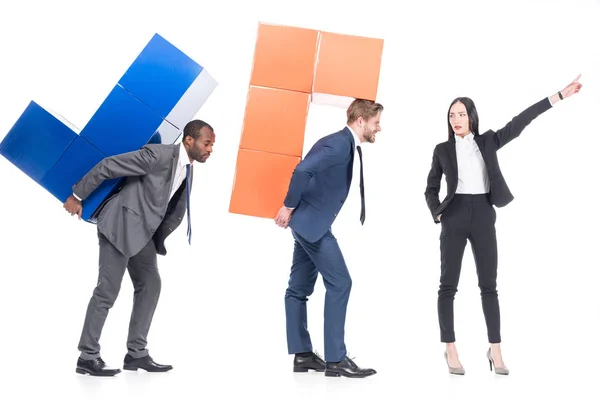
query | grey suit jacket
(141,210)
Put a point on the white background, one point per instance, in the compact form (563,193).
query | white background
(220,320)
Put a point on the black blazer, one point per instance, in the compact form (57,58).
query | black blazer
(444,161)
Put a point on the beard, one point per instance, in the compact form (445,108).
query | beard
(369,135)
(198,156)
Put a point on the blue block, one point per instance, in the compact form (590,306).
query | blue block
(75,162)
(36,141)
(160,92)
(168,82)
(121,124)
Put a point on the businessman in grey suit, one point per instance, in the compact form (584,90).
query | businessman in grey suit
(132,227)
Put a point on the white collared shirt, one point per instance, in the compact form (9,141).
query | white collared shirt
(472,173)
(180,172)
(349,215)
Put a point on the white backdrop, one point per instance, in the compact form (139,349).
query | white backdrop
(220,320)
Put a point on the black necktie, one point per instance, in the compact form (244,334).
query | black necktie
(362,188)
(188,184)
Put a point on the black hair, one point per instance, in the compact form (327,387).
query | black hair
(471,112)
(193,128)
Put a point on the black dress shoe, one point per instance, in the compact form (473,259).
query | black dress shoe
(95,367)
(147,363)
(347,368)
(312,361)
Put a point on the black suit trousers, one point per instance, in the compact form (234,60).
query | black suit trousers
(473,218)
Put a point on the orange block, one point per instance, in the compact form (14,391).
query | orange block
(284,57)
(261,183)
(275,121)
(348,66)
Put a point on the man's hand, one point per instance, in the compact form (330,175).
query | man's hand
(73,206)
(283,217)
(439,217)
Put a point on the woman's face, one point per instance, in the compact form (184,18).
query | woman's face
(459,120)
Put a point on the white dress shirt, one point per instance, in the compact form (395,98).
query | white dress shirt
(472,173)
(180,172)
(350,212)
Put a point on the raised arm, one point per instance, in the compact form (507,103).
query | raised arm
(514,128)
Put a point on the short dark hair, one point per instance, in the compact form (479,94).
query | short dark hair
(193,128)
(471,112)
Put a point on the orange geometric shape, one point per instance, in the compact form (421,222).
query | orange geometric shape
(284,57)
(293,67)
(348,66)
(280,131)
(261,182)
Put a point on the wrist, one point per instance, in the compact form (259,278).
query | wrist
(554,98)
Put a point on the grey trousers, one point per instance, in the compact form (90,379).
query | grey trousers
(143,270)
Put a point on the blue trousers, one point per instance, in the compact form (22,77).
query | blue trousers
(309,259)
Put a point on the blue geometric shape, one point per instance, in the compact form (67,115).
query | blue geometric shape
(168,82)
(36,141)
(160,76)
(75,162)
(158,94)
(121,124)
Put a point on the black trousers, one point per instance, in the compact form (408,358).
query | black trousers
(469,217)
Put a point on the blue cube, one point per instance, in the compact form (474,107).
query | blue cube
(168,82)
(36,141)
(75,162)
(121,124)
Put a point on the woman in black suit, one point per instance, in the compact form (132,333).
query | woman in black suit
(474,185)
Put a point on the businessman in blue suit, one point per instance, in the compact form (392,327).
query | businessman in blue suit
(317,191)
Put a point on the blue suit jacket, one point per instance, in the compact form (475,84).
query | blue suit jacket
(319,185)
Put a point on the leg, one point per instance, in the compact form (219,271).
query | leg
(111,270)
(143,270)
(453,239)
(329,261)
(485,250)
(300,286)
(452,248)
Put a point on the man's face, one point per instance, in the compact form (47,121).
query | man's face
(371,127)
(201,148)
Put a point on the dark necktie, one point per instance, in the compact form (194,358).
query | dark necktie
(362,188)
(188,188)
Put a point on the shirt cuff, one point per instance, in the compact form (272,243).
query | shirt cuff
(77,197)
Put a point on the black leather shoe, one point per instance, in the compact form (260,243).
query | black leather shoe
(147,363)
(95,367)
(313,361)
(347,368)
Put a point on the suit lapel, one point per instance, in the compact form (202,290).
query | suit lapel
(451,148)
(173,166)
(350,138)
(480,143)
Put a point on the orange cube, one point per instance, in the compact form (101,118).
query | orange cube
(275,121)
(261,183)
(348,66)
(284,57)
